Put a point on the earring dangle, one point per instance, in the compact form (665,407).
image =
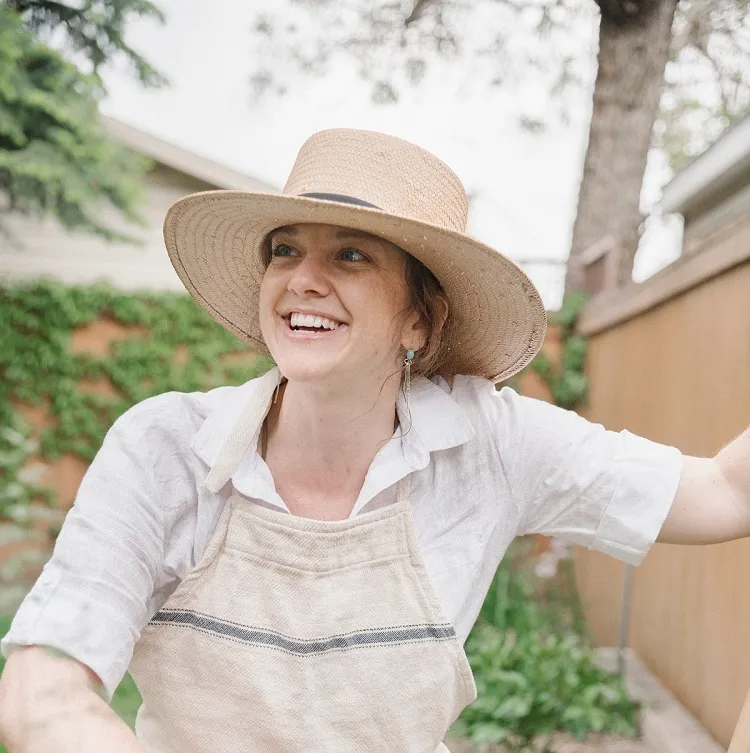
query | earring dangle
(407,376)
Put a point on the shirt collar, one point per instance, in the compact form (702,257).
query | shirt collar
(211,438)
(434,421)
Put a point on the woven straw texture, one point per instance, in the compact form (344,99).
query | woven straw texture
(215,240)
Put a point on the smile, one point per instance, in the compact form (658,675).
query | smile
(299,321)
(308,327)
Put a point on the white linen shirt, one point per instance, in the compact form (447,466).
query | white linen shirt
(485,466)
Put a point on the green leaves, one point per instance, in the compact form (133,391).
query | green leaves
(571,308)
(95,29)
(535,673)
(532,684)
(170,344)
(54,157)
(568,383)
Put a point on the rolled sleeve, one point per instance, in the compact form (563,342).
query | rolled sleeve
(573,479)
(94,595)
(644,490)
(65,612)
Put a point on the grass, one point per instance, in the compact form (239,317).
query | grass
(125,702)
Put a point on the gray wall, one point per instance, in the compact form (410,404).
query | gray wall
(74,258)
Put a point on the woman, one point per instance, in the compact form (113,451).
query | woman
(294,564)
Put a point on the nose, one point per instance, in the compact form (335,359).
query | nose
(309,277)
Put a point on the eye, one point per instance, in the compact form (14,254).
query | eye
(351,254)
(281,249)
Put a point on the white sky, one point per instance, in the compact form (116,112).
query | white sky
(524,185)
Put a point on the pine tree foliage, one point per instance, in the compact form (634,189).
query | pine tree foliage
(55,159)
(94,28)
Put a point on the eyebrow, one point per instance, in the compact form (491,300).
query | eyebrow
(343,233)
(346,233)
(288,229)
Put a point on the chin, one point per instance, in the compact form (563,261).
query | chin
(308,369)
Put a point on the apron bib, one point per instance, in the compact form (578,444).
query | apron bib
(294,635)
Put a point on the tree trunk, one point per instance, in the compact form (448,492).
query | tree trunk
(634,42)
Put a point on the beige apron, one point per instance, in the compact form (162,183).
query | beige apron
(294,635)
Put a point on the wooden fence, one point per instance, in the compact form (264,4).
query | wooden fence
(670,360)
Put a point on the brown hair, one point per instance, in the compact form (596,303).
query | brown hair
(431,303)
(428,299)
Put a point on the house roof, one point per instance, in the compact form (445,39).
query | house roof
(181,159)
(711,176)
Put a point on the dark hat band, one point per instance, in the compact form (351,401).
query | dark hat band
(341,198)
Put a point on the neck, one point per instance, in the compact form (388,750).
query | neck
(322,439)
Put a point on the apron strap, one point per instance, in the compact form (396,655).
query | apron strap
(402,489)
(245,428)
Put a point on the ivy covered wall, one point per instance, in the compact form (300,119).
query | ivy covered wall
(72,360)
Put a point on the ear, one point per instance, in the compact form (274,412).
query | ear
(414,332)
(415,328)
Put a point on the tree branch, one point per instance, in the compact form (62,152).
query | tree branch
(418,11)
(62,11)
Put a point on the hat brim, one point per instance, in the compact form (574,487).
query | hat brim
(215,240)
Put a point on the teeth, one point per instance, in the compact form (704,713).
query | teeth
(308,320)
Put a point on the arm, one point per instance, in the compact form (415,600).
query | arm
(98,589)
(52,703)
(712,502)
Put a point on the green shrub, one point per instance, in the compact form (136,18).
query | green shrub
(534,670)
(530,685)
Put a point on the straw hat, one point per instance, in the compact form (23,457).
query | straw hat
(380,185)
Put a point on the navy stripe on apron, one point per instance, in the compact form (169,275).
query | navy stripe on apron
(255,636)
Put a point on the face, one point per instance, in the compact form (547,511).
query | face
(334,304)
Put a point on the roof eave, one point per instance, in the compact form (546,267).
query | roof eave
(181,159)
(710,175)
